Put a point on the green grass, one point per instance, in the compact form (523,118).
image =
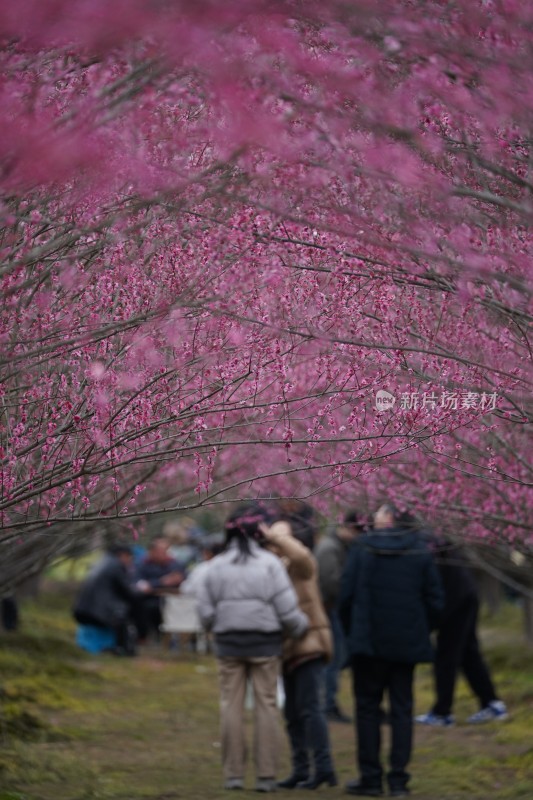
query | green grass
(77,727)
(72,569)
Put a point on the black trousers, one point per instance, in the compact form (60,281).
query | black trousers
(372,677)
(147,616)
(458,649)
(306,722)
(333,669)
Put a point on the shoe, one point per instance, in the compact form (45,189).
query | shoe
(234,783)
(399,791)
(266,785)
(495,710)
(363,789)
(313,783)
(336,715)
(292,781)
(436,720)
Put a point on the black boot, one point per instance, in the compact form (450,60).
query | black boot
(313,783)
(293,780)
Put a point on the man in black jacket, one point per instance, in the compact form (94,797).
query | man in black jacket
(457,643)
(390,599)
(107,598)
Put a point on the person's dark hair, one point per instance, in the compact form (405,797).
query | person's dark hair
(117,549)
(406,519)
(302,519)
(242,525)
(351,520)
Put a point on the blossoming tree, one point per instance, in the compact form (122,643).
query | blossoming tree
(265,248)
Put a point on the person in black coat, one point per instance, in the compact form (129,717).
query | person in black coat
(457,643)
(390,599)
(109,600)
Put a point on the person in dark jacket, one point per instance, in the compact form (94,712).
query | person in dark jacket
(292,537)
(109,600)
(331,554)
(156,573)
(457,643)
(390,599)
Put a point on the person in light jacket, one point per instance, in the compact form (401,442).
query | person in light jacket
(247,600)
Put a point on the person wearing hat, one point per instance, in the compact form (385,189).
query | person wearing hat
(331,553)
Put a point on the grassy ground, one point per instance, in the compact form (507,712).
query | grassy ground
(76,727)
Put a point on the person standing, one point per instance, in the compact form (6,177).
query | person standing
(390,599)
(292,538)
(457,645)
(248,601)
(331,553)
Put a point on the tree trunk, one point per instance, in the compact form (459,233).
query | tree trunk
(528,618)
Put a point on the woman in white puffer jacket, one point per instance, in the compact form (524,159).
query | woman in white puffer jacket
(248,601)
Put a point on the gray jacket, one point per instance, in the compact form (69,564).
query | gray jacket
(252,594)
(331,554)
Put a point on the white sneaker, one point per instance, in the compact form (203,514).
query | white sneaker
(266,785)
(234,783)
(496,710)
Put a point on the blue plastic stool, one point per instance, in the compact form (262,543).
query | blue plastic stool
(94,639)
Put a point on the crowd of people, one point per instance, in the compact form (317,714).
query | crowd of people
(122,595)
(366,596)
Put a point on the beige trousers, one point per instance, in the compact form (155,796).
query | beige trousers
(233,674)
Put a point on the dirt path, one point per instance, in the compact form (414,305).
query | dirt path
(148,728)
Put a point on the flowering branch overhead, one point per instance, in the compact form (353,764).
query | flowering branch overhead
(227,228)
